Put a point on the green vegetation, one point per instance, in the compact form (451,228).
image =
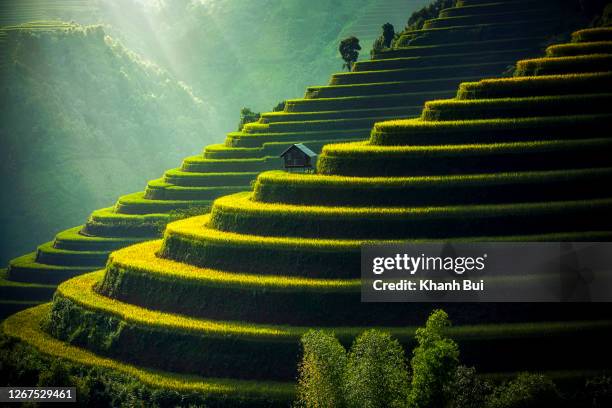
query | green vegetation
(349,51)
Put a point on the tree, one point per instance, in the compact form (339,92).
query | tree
(349,50)
(376,374)
(526,391)
(247,116)
(388,34)
(321,371)
(434,362)
(466,389)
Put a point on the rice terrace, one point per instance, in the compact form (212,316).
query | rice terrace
(460,149)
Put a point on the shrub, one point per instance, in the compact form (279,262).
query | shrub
(418,18)
(466,389)
(526,391)
(599,391)
(321,371)
(349,50)
(280,107)
(376,374)
(433,363)
(247,116)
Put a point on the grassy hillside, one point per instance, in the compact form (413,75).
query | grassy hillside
(228,294)
(83,120)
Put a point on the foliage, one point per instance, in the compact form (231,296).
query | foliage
(525,391)
(321,371)
(466,389)
(376,374)
(388,34)
(247,116)
(433,363)
(349,51)
(279,107)
(418,18)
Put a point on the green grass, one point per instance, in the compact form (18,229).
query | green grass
(161,190)
(260,139)
(413,90)
(535,86)
(308,189)
(25,326)
(433,73)
(198,164)
(105,222)
(577,49)
(526,129)
(308,126)
(137,204)
(472,57)
(493,16)
(453,47)
(47,254)
(26,269)
(400,111)
(505,108)
(363,159)
(564,65)
(490,7)
(238,213)
(592,35)
(474,32)
(197,179)
(72,239)
(175,342)
(363,102)
(23,292)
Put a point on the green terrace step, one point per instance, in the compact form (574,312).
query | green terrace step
(469,109)
(257,129)
(565,65)
(74,240)
(463,3)
(10,307)
(474,57)
(416,88)
(492,7)
(266,351)
(48,255)
(493,17)
(421,74)
(361,102)
(26,269)
(137,204)
(362,159)
(592,35)
(497,31)
(576,49)
(196,179)
(399,111)
(194,242)
(517,187)
(517,129)
(23,292)
(270,148)
(238,213)
(26,327)
(199,164)
(259,140)
(105,222)
(454,47)
(548,85)
(160,190)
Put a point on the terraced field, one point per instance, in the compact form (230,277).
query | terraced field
(394,84)
(228,294)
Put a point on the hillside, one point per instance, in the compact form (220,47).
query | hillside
(222,300)
(83,120)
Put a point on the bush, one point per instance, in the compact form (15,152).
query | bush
(247,116)
(434,362)
(349,50)
(418,18)
(526,391)
(466,389)
(376,374)
(321,371)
